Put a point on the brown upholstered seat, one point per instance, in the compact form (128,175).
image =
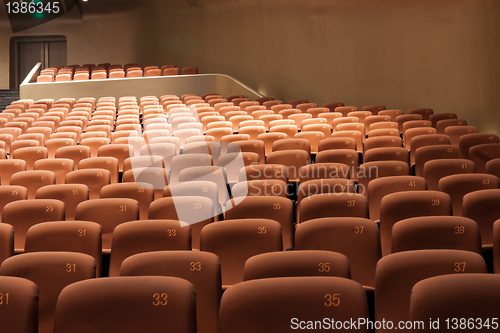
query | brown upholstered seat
(296,263)
(482,207)
(397,274)
(127,304)
(51,272)
(197,211)
(333,205)
(200,268)
(436,232)
(437,297)
(108,213)
(257,207)
(457,186)
(402,205)
(146,236)
(21,314)
(67,236)
(357,238)
(379,188)
(70,194)
(22,214)
(277,305)
(234,241)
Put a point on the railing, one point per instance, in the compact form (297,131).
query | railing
(32,75)
(142,86)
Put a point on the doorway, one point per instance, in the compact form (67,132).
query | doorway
(26,52)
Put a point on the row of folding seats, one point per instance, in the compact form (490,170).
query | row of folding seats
(162,186)
(151,184)
(221,102)
(262,304)
(271,137)
(280,157)
(56,276)
(284,151)
(187,97)
(95,144)
(228,236)
(105,71)
(256,179)
(318,213)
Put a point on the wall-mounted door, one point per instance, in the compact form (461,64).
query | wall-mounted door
(26,52)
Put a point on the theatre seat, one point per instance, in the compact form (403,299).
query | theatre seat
(269,305)
(234,241)
(21,314)
(127,304)
(437,297)
(397,274)
(51,272)
(202,269)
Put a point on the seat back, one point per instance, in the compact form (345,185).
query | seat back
(267,305)
(397,274)
(190,160)
(11,193)
(378,169)
(216,175)
(117,304)
(292,159)
(94,178)
(197,211)
(6,241)
(263,172)
(234,241)
(22,214)
(106,163)
(70,194)
(482,154)
(108,213)
(202,269)
(402,205)
(266,187)
(435,170)
(333,205)
(324,171)
(467,141)
(387,154)
(296,263)
(435,297)
(51,272)
(147,236)
(33,180)
(67,236)
(274,208)
(482,207)
(379,188)
(424,154)
(457,186)
(143,193)
(436,232)
(22,313)
(344,156)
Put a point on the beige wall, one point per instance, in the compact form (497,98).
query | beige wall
(149,34)
(442,54)
(404,54)
(96,40)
